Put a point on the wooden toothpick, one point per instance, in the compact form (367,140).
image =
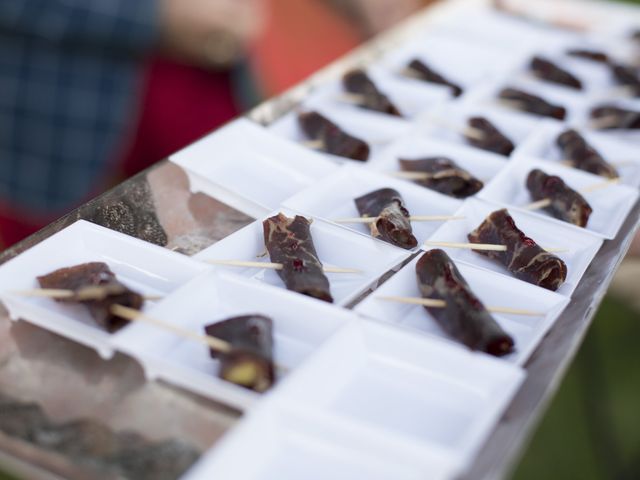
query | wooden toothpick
(274,266)
(82,294)
(484,246)
(436,303)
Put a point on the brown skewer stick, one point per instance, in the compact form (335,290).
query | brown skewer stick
(413,218)
(436,303)
(274,266)
(483,246)
(545,202)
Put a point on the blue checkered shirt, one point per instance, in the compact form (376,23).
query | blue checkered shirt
(69,77)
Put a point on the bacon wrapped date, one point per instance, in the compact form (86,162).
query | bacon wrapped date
(592,55)
(426,73)
(445,176)
(524,258)
(610,117)
(550,72)
(289,242)
(334,140)
(464,317)
(250,361)
(533,104)
(94,274)
(566,203)
(492,140)
(392,224)
(358,82)
(584,157)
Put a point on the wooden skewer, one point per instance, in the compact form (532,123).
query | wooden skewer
(83,294)
(413,218)
(133,315)
(465,131)
(513,104)
(545,202)
(274,266)
(483,246)
(436,303)
(623,163)
(601,123)
(313,144)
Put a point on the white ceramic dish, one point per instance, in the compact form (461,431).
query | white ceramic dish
(409,96)
(300,326)
(492,288)
(448,122)
(336,246)
(146,268)
(611,205)
(289,443)
(333,198)
(623,156)
(245,166)
(578,248)
(479,163)
(410,387)
(374,128)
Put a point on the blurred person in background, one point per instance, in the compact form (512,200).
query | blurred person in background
(92,91)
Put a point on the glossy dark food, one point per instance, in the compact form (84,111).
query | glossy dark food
(574,147)
(566,203)
(250,361)
(464,317)
(550,72)
(627,76)
(492,140)
(446,176)
(532,104)
(392,224)
(358,82)
(610,117)
(334,140)
(593,55)
(426,73)
(524,258)
(289,242)
(94,274)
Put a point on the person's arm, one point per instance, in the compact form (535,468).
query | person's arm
(131,25)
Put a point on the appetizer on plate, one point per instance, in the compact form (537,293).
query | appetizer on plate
(249,363)
(464,317)
(289,242)
(523,257)
(583,156)
(359,83)
(564,202)
(527,102)
(548,71)
(491,139)
(423,72)
(331,138)
(392,222)
(95,286)
(443,175)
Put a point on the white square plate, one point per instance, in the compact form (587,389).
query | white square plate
(333,198)
(410,387)
(247,167)
(611,205)
(374,128)
(145,268)
(290,443)
(623,156)
(578,247)
(300,326)
(336,247)
(491,288)
(481,164)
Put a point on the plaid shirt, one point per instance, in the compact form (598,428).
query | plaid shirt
(69,75)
